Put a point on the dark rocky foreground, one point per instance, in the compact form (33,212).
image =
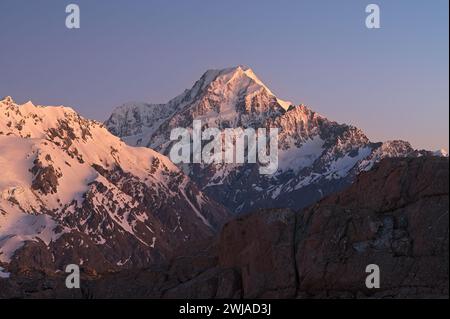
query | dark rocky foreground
(395,216)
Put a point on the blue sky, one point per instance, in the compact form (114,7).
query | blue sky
(392,82)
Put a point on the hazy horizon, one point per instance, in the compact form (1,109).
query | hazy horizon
(392,82)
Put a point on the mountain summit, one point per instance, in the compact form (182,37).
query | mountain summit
(316,156)
(225,98)
(240,78)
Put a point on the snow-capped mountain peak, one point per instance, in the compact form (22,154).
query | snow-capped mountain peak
(231,96)
(316,156)
(241,78)
(229,75)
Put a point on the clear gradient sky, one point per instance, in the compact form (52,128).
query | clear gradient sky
(392,82)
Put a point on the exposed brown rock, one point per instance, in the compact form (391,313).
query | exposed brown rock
(46,178)
(395,216)
(261,248)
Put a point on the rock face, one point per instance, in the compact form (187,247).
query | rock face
(395,216)
(72,193)
(260,247)
(317,156)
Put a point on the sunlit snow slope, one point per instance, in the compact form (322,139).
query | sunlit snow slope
(74,193)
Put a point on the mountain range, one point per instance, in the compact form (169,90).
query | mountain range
(317,156)
(107,197)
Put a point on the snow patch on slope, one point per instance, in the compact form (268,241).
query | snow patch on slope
(295,158)
(17,228)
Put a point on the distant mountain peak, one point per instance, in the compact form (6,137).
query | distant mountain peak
(229,97)
(236,71)
(316,156)
(242,77)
